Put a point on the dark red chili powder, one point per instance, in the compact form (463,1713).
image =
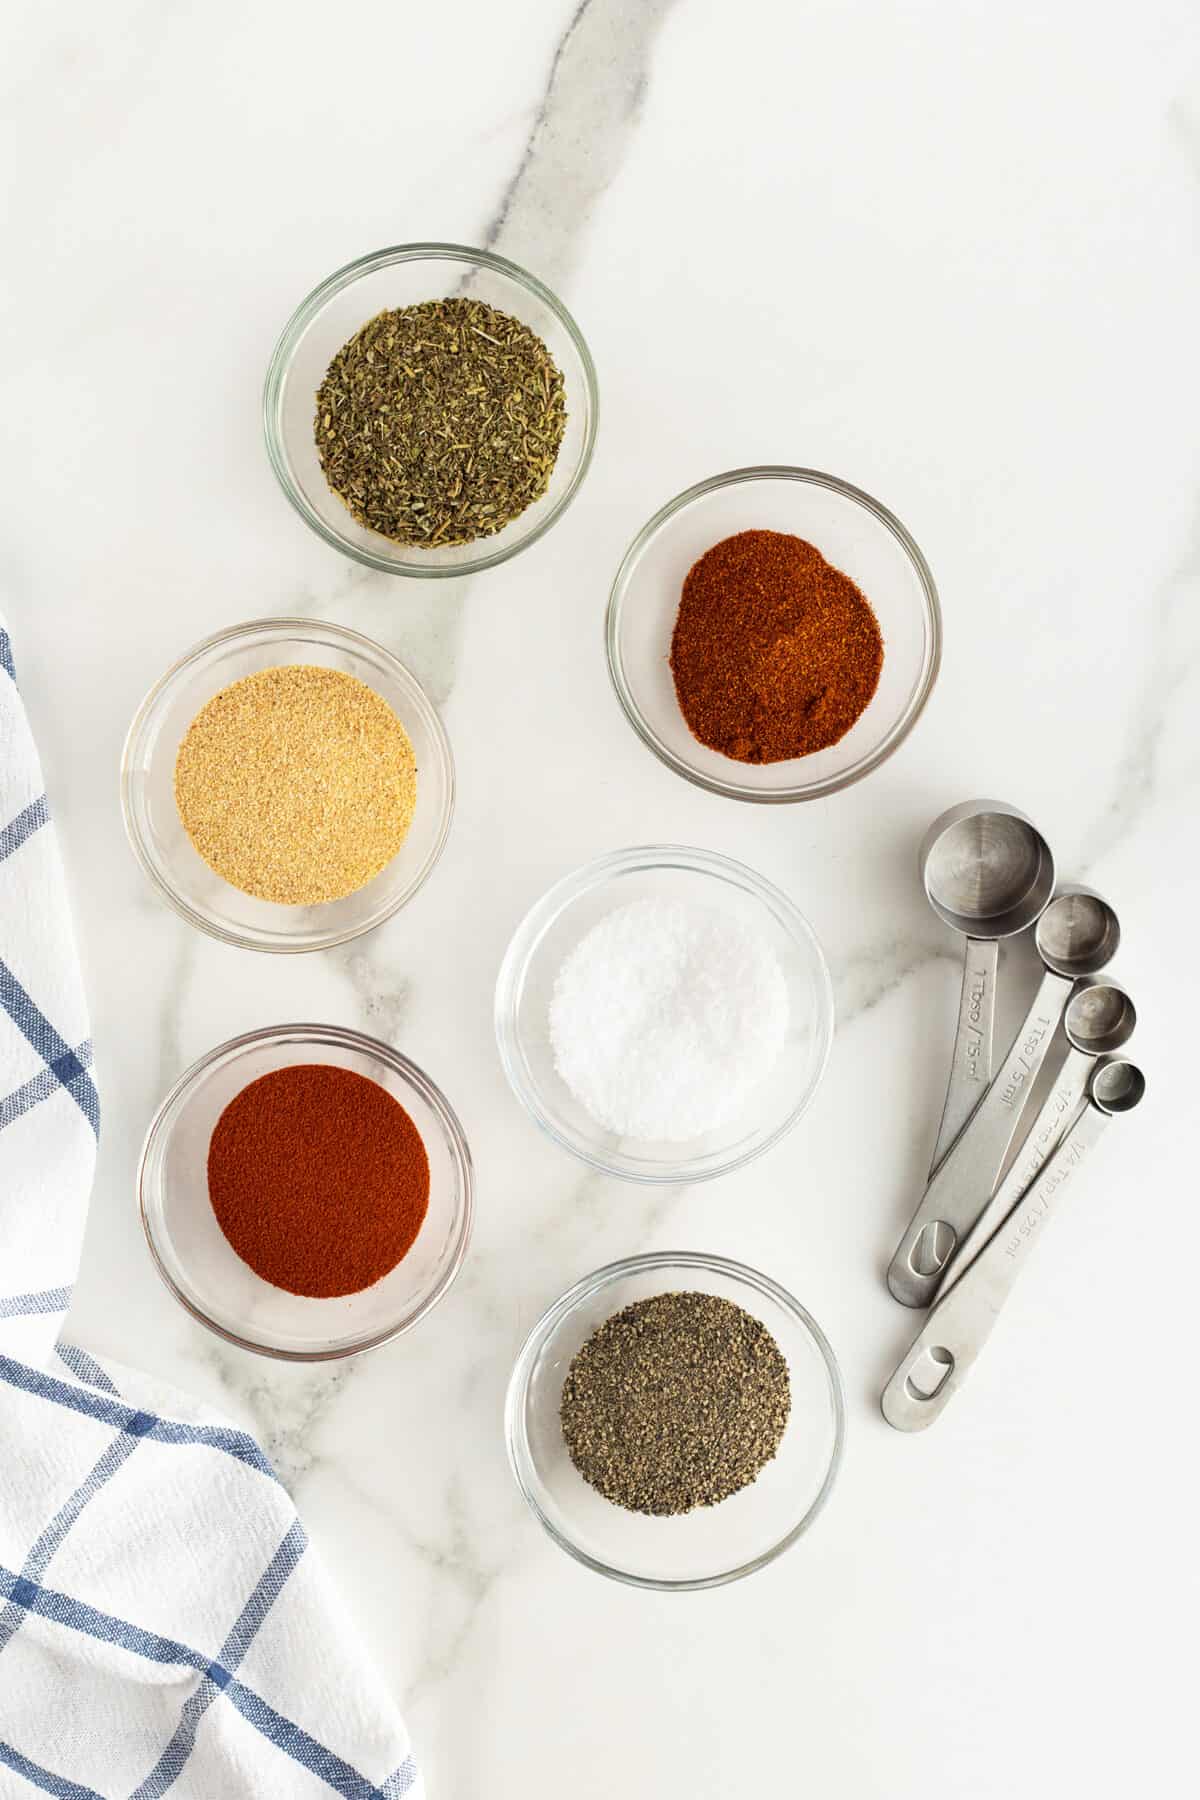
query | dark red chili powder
(775,653)
(318,1178)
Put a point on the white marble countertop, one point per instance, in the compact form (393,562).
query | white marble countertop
(946,251)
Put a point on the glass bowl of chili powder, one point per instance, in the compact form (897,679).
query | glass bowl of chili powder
(198,1261)
(862,541)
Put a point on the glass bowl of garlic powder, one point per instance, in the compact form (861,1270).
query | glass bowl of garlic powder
(665,1014)
(287,785)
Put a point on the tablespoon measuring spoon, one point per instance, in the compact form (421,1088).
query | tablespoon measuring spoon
(1099,1020)
(1078,934)
(989,874)
(961,1323)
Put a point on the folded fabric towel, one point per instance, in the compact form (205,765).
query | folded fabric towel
(164,1628)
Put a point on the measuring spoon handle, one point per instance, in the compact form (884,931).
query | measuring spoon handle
(971,1059)
(960,1324)
(1058,1113)
(963,1184)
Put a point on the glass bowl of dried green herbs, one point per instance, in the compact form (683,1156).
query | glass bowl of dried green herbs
(664,1381)
(430,410)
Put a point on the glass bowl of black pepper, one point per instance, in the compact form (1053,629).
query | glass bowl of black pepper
(773,634)
(430,410)
(706,1545)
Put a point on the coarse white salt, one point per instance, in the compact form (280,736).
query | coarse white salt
(665,1016)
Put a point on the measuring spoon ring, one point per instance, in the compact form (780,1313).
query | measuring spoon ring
(1078,934)
(1099,1019)
(961,1323)
(989,874)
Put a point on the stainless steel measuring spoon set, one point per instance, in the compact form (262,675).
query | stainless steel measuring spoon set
(989,874)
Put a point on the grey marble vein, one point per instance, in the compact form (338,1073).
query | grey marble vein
(577,143)
(458,1598)
(1174,655)
(381,997)
(866,977)
(1171,621)
(182,966)
(286,1404)
(581,135)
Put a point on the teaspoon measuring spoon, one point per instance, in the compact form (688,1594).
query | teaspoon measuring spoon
(961,1323)
(1078,934)
(989,874)
(1099,1019)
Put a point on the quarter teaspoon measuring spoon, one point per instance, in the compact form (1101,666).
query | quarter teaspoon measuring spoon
(1099,1020)
(961,1323)
(1078,934)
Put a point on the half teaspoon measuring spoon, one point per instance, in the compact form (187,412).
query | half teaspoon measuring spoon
(961,1323)
(1099,1019)
(989,874)
(1078,934)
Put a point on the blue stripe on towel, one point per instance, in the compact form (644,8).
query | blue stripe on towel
(278,1730)
(50,1300)
(77,1615)
(219,1673)
(399,1783)
(33,1772)
(114,1412)
(39,1087)
(51,1539)
(31,819)
(84,1367)
(54,1051)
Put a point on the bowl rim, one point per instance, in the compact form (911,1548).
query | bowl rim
(814,790)
(280,363)
(516,1436)
(586,878)
(409,1072)
(346,637)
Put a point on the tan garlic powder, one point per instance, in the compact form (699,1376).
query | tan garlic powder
(297,784)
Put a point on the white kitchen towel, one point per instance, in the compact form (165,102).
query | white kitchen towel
(164,1628)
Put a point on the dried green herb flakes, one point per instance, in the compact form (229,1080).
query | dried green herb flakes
(438,424)
(676,1402)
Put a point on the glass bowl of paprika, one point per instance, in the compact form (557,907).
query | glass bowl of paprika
(323,1213)
(773,634)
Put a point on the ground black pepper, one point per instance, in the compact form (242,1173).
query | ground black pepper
(675,1402)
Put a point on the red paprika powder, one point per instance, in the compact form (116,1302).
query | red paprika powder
(318,1178)
(775,653)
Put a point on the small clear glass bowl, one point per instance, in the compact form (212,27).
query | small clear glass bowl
(205,1273)
(404,276)
(552,929)
(713,1544)
(852,531)
(163,847)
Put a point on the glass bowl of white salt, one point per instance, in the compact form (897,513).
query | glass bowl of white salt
(665,1014)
